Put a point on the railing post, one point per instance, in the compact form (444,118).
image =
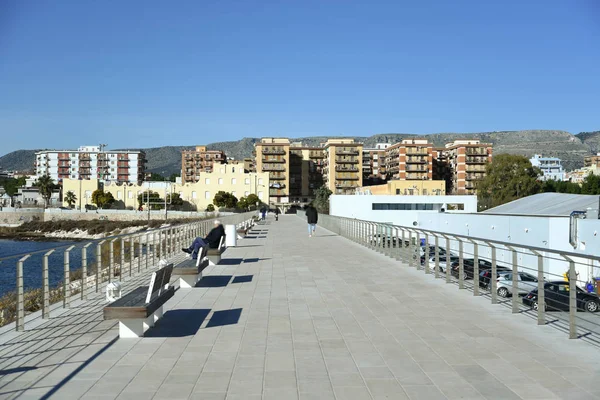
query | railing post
(426,255)
(122,266)
(67,278)
(541,312)
(84,267)
(572,300)
(131,253)
(46,286)
(99,264)
(448,264)
(111,265)
(461,266)
(140,253)
(475,269)
(436,266)
(493,276)
(21,295)
(410,249)
(515,282)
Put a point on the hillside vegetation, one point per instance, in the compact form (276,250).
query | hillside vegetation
(551,143)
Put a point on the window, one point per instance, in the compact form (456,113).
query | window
(193,195)
(207,181)
(130,195)
(88,194)
(207,195)
(397,191)
(528,278)
(260,181)
(260,195)
(233,193)
(220,181)
(233,181)
(247,181)
(401,206)
(246,193)
(119,195)
(232,169)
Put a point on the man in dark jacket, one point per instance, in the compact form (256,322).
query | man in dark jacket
(211,240)
(312,216)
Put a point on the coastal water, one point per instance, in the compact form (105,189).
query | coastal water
(12,250)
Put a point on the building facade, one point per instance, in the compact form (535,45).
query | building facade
(411,159)
(551,167)
(228,178)
(406,188)
(193,162)
(91,162)
(342,167)
(594,160)
(466,160)
(374,163)
(273,158)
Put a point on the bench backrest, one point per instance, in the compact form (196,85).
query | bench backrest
(202,255)
(159,282)
(222,243)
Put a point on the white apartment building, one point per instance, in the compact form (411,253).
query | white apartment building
(550,166)
(91,162)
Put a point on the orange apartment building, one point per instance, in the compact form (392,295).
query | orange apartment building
(411,159)
(466,160)
(591,161)
(374,165)
(342,168)
(199,160)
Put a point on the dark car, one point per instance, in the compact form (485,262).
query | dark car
(557,298)
(484,275)
(469,267)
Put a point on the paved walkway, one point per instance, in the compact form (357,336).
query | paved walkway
(292,317)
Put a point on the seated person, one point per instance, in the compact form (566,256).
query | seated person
(211,240)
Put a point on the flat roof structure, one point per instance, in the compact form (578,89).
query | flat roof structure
(547,204)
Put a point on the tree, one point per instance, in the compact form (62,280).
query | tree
(12,185)
(174,199)
(321,201)
(156,177)
(251,201)
(591,184)
(45,185)
(152,199)
(225,199)
(102,199)
(210,208)
(508,177)
(173,177)
(70,198)
(242,203)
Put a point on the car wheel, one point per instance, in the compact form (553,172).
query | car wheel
(503,292)
(591,306)
(535,305)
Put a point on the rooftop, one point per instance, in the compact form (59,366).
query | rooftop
(549,204)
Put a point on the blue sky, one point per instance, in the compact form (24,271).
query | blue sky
(154,73)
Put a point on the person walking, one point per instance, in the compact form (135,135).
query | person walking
(263,213)
(312,216)
(276,213)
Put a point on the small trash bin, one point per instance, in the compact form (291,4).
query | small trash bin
(230,236)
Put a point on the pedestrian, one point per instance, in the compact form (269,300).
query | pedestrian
(263,213)
(276,213)
(212,240)
(312,216)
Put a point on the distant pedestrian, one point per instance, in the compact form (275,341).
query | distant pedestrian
(277,213)
(263,213)
(312,216)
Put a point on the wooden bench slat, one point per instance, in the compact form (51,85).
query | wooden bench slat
(132,304)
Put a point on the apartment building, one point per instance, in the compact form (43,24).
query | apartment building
(374,165)
(589,161)
(551,167)
(273,157)
(193,162)
(342,167)
(228,178)
(466,160)
(406,188)
(91,162)
(411,159)
(306,172)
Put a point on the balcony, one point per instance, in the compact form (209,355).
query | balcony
(346,177)
(120,165)
(346,185)
(346,169)
(277,185)
(273,160)
(270,167)
(416,168)
(316,155)
(417,176)
(416,160)
(339,160)
(417,151)
(474,177)
(353,152)
(276,176)
(480,152)
(274,151)
(276,192)
(477,160)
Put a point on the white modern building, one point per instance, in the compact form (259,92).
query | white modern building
(550,166)
(398,210)
(91,162)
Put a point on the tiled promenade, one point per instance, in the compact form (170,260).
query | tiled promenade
(292,317)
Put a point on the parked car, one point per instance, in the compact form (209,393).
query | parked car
(484,276)
(556,295)
(525,283)
(443,263)
(469,267)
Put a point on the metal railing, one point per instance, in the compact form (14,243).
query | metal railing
(553,291)
(45,278)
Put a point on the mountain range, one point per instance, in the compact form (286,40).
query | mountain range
(568,147)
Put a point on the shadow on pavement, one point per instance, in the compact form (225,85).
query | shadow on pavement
(225,317)
(179,323)
(214,281)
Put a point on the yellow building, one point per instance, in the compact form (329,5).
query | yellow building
(409,188)
(342,169)
(306,172)
(199,160)
(273,158)
(227,178)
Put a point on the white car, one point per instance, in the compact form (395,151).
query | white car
(525,283)
(443,263)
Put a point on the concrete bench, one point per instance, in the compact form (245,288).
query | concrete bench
(190,271)
(214,255)
(139,310)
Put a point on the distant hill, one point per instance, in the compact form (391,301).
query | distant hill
(568,147)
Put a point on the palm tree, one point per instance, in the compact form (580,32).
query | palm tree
(70,198)
(45,186)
